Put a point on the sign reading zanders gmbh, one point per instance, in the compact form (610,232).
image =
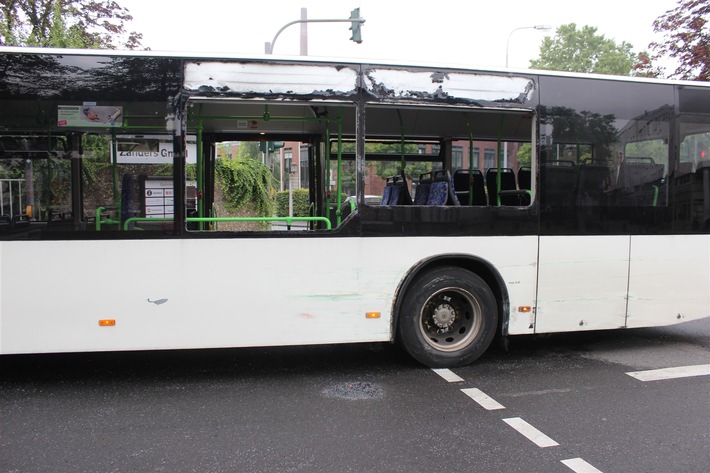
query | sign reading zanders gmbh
(151,149)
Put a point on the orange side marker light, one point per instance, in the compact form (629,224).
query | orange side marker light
(372,315)
(107,322)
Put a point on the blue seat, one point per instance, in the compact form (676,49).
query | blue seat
(439,193)
(423,189)
(442,189)
(396,191)
(386,194)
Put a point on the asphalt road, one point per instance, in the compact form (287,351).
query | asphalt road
(560,403)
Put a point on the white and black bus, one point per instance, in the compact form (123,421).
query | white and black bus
(443,206)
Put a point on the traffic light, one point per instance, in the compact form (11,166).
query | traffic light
(271,146)
(355,24)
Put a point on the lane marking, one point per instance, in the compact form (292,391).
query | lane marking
(580,466)
(448,375)
(532,434)
(483,399)
(671,373)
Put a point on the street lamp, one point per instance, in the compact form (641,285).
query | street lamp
(536,27)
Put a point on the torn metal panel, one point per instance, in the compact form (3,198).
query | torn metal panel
(440,86)
(272,80)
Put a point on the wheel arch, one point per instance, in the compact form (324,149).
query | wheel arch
(479,266)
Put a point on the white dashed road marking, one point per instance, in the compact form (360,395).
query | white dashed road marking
(671,373)
(448,375)
(483,399)
(532,434)
(580,466)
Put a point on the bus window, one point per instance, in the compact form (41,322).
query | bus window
(267,166)
(691,198)
(35,175)
(127,182)
(479,153)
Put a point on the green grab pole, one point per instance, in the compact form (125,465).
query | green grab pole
(114,170)
(98,223)
(470,158)
(470,168)
(98,218)
(266,116)
(401,140)
(338,213)
(498,161)
(327,172)
(288,220)
(200,167)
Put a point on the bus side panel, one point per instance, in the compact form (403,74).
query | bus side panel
(514,257)
(166,294)
(669,279)
(210,293)
(582,283)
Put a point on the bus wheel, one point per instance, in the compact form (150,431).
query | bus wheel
(448,318)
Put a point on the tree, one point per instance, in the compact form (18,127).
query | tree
(584,50)
(685,39)
(66,23)
(248,149)
(644,66)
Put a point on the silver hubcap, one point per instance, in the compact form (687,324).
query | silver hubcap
(450,319)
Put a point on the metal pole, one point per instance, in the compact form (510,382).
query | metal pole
(304,32)
(536,27)
(269,47)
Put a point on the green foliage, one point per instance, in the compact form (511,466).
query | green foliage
(248,149)
(644,66)
(385,169)
(12,169)
(97,156)
(412,171)
(67,24)
(301,204)
(584,50)
(686,39)
(525,154)
(245,181)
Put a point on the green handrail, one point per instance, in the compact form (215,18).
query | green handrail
(99,210)
(288,220)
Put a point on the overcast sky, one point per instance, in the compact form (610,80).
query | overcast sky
(472,33)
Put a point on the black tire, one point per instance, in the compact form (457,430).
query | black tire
(448,317)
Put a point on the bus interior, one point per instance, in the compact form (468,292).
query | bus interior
(346,165)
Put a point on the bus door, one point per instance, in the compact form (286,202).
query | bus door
(582,283)
(670,272)
(583,262)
